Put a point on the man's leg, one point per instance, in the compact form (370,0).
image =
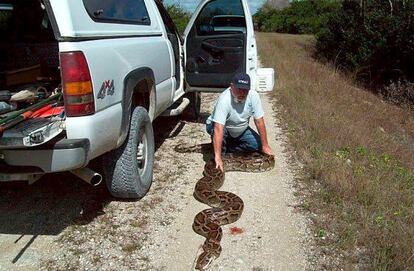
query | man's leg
(249,141)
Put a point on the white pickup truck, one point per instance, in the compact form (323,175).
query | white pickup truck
(118,65)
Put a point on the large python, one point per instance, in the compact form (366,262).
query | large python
(226,207)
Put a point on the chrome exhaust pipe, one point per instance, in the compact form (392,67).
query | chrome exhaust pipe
(91,177)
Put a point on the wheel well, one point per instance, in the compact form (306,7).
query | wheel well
(141,96)
(139,90)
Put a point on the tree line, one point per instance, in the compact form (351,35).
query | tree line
(373,39)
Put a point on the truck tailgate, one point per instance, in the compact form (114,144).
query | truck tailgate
(31,133)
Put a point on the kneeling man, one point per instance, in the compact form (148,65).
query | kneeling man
(229,123)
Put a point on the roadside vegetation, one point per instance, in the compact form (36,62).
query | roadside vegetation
(357,153)
(371,40)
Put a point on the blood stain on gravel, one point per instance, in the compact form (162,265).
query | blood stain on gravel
(236,231)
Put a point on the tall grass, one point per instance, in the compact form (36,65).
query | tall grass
(357,150)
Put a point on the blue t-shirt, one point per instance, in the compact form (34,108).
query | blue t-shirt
(235,116)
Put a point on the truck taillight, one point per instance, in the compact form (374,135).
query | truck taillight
(77,84)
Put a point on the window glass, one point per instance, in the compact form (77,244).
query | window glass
(228,21)
(121,11)
(5,17)
(221,17)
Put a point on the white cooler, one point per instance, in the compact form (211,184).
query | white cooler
(265,79)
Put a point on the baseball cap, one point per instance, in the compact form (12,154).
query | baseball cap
(241,81)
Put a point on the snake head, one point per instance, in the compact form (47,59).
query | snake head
(205,260)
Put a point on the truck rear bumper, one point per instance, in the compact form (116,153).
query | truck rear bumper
(63,155)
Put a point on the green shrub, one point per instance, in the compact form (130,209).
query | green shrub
(180,16)
(372,38)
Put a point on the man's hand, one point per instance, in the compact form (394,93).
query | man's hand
(267,150)
(219,163)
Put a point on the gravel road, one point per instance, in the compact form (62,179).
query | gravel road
(62,224)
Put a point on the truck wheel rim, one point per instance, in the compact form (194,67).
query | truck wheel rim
(142,152)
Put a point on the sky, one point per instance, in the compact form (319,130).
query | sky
(192,4)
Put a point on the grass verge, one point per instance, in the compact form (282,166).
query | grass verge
(358,156)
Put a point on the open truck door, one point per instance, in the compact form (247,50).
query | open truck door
(219,42)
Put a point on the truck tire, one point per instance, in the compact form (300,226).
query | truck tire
(192,112)
(129,169)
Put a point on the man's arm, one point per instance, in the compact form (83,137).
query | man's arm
(261,128)
(217,143)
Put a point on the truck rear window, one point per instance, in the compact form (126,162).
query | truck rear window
(115,11)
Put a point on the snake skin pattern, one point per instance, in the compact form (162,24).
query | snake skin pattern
(226,207)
